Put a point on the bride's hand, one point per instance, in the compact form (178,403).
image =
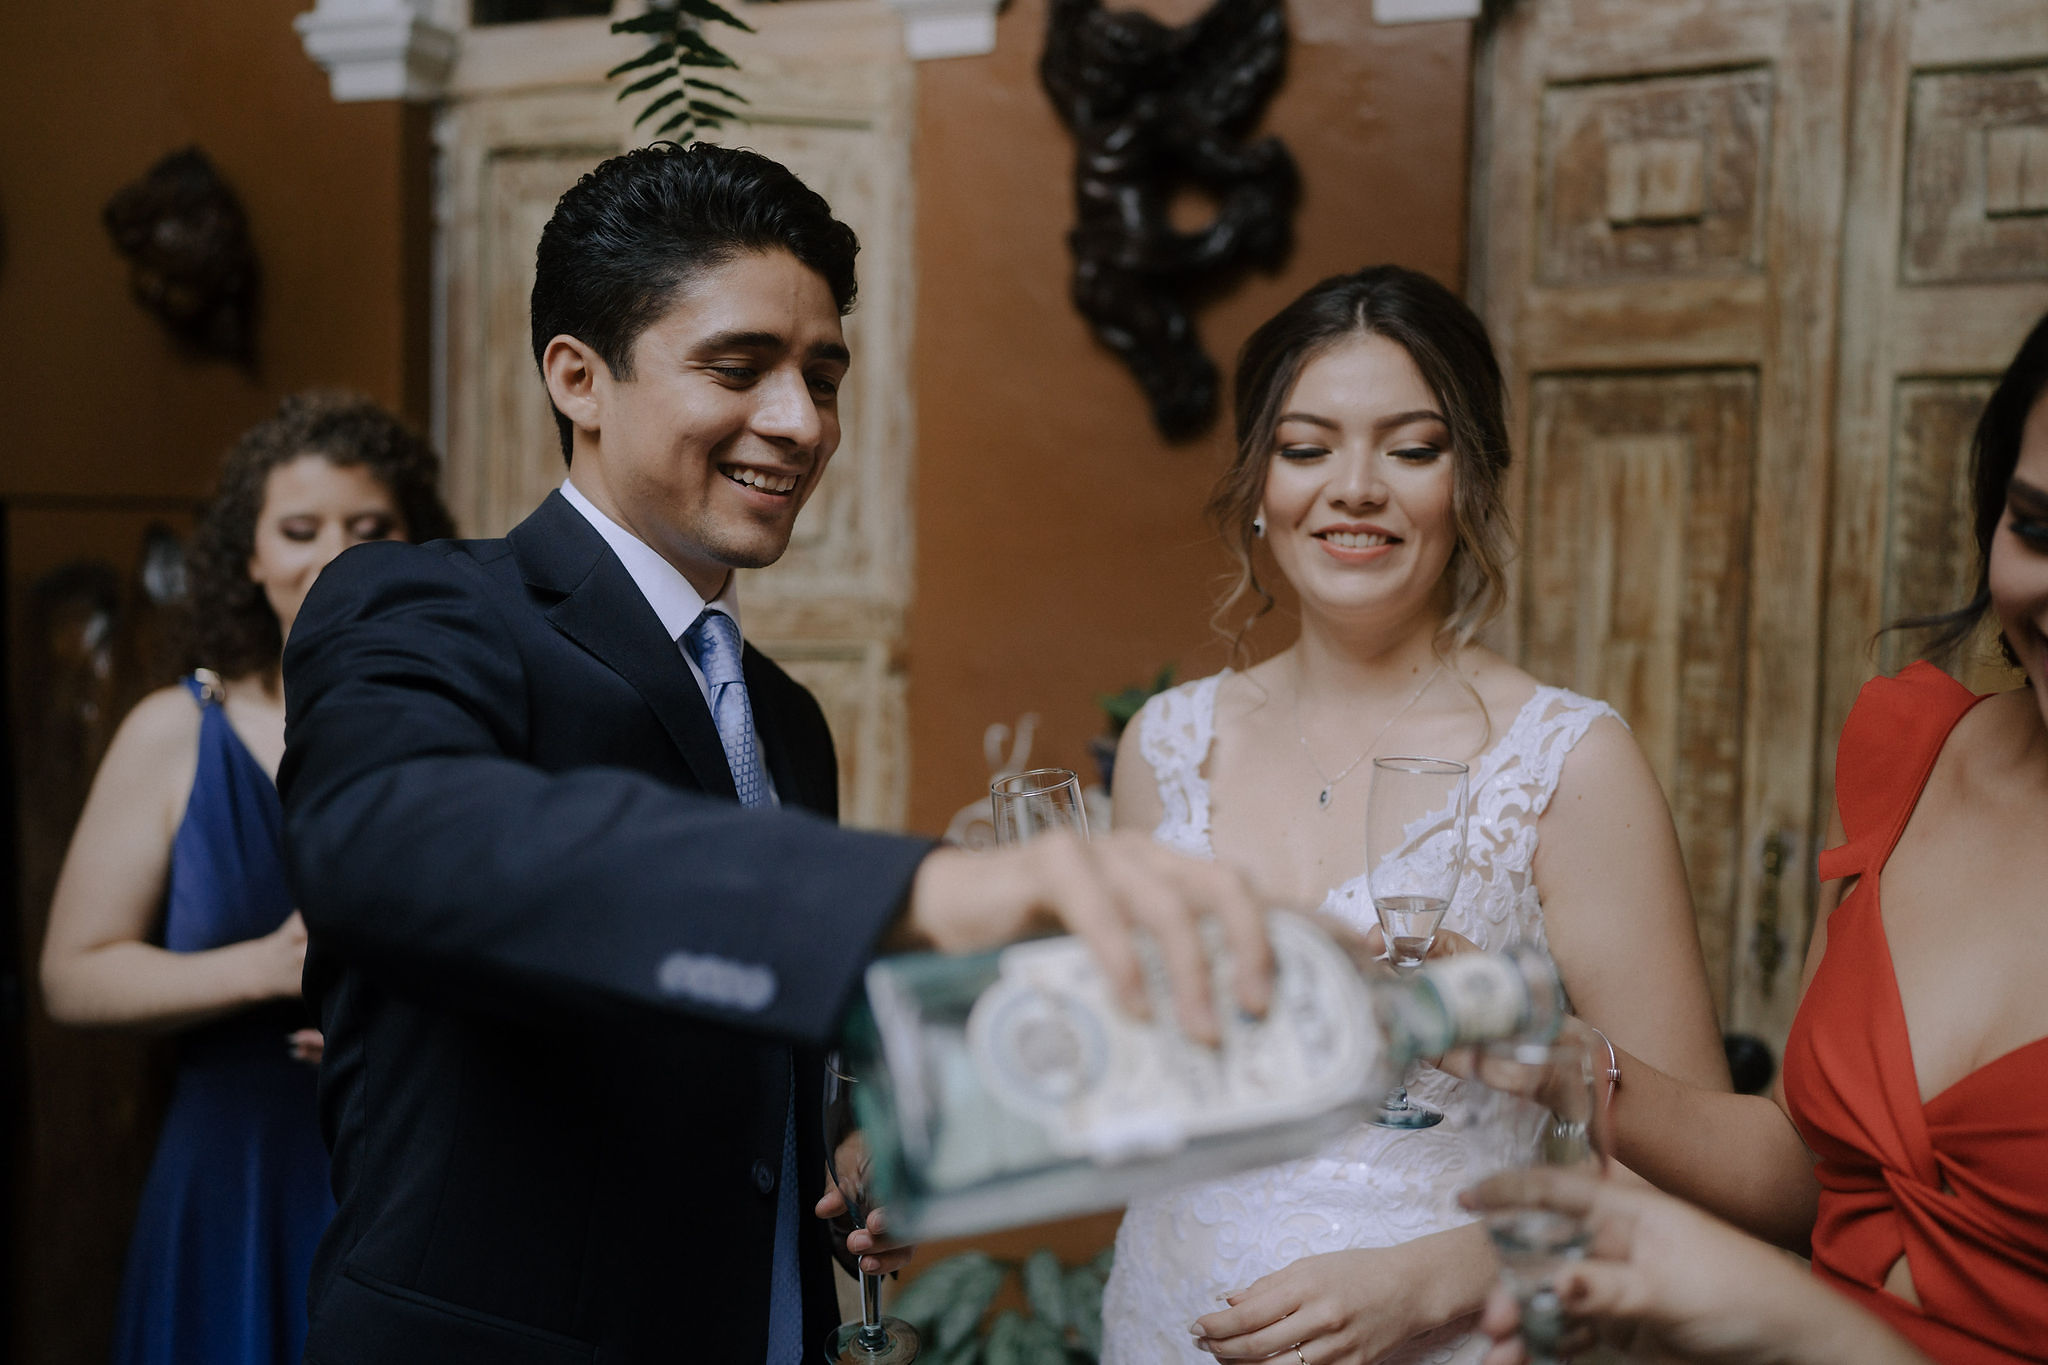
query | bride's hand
(1340,1308)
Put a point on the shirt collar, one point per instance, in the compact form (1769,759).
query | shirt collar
(660,582)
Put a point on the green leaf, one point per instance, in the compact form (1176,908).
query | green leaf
(1018,1340)
(711,113)
(660,52)
(653,21)
(646,83)
(660,104)
(695,45)
(1082,1294)
(679,121)
(1106,1257)
(925,1298)
(971,1299)
(966,1351)
(1043,1287)
(716,89)
(1005,1339)
(713,14)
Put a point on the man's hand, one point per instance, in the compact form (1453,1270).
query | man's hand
(1105,892)
(865,1240)
(307,1045)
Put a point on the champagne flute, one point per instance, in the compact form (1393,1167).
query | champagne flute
(1414,855)
(875,1339)
(1534,1244)
(1038,801)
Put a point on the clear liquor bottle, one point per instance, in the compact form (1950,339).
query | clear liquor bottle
(1007,1088)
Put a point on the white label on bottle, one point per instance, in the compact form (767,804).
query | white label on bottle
(1050,1045)
(1483,995)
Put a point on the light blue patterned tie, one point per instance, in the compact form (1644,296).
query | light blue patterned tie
(713,640)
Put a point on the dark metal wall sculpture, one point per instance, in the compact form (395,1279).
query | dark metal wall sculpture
(1158,111)
(190,259)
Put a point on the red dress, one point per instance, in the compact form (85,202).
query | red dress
(1959,1185)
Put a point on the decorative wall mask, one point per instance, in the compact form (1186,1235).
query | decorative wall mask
(190,260)
(1158,111)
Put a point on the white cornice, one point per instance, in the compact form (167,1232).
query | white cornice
(378,49)
(947,28)
(1422,11)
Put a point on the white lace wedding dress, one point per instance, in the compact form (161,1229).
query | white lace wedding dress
(1178,1254)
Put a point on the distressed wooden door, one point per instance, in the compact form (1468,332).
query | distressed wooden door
(831,96)
(1657,206)
(1945,268)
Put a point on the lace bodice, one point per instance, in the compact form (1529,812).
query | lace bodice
(1177,1254)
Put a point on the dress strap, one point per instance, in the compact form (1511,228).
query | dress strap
(1175,730)
(1894,733)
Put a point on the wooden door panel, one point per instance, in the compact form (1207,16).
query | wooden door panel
(1638,580)
(1654,177)
(1930,553)
(1945,268)
(1976,206)
(1657,215)
(518,190)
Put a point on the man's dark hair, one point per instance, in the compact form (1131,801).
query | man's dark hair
(640,224)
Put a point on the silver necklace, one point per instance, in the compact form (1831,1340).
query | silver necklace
(1330,783)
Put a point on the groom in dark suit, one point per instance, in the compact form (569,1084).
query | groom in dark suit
(580,915)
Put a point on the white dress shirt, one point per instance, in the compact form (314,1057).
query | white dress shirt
(666,590)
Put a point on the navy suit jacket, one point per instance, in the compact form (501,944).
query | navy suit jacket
(563,975)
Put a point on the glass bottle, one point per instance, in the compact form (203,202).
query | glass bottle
(1007,1088)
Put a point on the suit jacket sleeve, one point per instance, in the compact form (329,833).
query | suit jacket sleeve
(424,847)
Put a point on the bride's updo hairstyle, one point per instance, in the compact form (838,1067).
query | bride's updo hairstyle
(1448,344)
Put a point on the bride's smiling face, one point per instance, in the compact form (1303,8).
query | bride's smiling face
(1359,487)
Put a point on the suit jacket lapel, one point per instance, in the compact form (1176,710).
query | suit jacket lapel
(601,609)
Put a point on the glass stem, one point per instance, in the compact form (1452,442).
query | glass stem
(871,1334)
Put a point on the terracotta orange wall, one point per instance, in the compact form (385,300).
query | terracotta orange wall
(101,402)
(1061,550)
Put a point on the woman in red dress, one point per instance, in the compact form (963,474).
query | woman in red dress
(1909,1150)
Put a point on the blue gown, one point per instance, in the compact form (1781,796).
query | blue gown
(237,1195)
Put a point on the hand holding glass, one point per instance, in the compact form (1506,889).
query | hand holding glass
(1414,854)
(874,1340)
(1534,1243)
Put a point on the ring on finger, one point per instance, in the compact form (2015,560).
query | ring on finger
(1298,1355)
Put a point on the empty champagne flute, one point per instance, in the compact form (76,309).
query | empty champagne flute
(1028,804)
(874,1340)
(1534,1244)
(1414,854)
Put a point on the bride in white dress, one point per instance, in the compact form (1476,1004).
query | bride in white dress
(1372,450)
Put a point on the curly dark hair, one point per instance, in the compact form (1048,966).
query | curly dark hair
(230,626)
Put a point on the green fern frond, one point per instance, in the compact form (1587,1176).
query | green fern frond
(676,29)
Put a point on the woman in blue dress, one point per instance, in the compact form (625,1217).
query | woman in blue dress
(172,910)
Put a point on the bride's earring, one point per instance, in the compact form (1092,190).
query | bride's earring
(1259,526)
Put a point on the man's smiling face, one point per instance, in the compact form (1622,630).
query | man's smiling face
(711,447)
